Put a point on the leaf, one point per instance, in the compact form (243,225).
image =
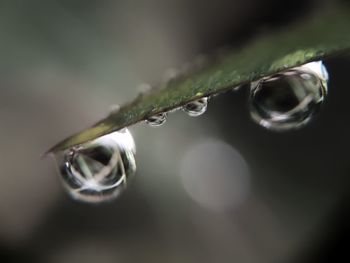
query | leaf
(325,33)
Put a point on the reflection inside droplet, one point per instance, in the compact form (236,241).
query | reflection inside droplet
(157,119)
(197,107)
(98,170)
(288,100)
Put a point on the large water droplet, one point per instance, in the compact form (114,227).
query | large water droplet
(288,100)
(98,170)
(197,107)
(157,119)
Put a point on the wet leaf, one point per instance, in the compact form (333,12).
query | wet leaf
(323,34)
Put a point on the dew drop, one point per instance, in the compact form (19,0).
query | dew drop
(98,170)
(157,120)
(197,107)
(288,100)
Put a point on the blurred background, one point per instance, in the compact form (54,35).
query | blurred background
(218,188)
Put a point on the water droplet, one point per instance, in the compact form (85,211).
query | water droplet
(288,100)
(197,107)
(157,119)
(98,170)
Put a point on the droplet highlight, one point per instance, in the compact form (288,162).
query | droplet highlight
(157,120)
(289,100)
(99,170)
(197,107)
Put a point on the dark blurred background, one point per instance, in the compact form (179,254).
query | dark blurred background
(63,63)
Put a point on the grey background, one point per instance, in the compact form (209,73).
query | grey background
(63,63)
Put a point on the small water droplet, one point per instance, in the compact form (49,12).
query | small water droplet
(288,100)
(197,107)
(157,119)
(98,171)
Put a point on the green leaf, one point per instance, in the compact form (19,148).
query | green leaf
(326,33)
